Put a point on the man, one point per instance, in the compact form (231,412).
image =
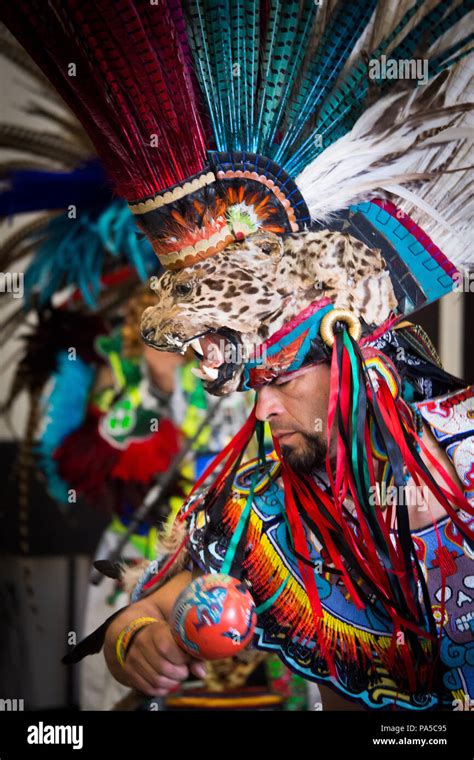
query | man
(296,407)
(270,198)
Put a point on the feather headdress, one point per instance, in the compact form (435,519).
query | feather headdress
(214,119)
(238,131)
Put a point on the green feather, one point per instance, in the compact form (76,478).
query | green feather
(341,110)
(220,44)
(344,29)
(306,23)
(259,81)
(268,54)
(354,87)
(197,35)
(239,74)
(276,67)
(252,47)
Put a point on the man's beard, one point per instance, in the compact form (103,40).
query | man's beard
(308,458)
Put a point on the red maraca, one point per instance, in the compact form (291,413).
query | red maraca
(214,617)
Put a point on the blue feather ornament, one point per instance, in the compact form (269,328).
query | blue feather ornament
(64,410)
(75,252)
(35,190)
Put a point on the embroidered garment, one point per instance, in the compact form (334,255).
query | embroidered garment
(357,639)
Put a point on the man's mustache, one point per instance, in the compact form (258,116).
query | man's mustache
(277,429)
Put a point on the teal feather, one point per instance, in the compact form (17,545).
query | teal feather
(75,252)
(220,42)
(306,24)
(344,29)
(269,42)
(251,58)
(64,411)
(238,72)
(278,88)
(197,35)
(346,104)
(353,90)
(224,38)
(281,35)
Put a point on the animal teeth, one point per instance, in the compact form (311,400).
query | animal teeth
(174,341)
(196,371)
(205,373)
(195,343)
(211,372)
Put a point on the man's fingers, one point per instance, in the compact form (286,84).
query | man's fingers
(167,684)
(150,682)
(143,684)
(144,687)
(162,693)
(163,666)
(198,668)
(150,655)
(167,647)
(138,667)
(156,658)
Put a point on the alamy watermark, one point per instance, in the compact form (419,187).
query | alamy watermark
(394,68)
(12,705)
(410,495)
(464,281)
(230,353)
(12,282)
(41,733)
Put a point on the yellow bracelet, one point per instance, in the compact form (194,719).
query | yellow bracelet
(127,634)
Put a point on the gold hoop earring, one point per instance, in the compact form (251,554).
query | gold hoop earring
(329,320)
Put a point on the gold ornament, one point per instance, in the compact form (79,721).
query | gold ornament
(339,315)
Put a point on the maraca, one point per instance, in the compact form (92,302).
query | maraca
(214,617)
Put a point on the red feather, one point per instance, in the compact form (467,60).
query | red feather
(125,90)
(85,460)
(141,460)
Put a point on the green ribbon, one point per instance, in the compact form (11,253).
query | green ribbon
(234,542)
(268,603)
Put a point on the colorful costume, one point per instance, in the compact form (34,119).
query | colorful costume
(304,202)
(272,572)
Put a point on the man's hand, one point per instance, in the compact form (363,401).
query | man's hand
(155,664)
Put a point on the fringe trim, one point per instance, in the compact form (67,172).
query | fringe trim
(130,575)
(167,542)
(346,643)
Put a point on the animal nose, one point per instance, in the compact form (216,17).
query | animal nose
(148,333)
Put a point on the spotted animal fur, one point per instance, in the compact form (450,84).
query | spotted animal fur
(254,286)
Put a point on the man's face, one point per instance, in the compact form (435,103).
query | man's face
(296,408)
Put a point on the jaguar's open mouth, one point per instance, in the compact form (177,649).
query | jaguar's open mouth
(219,353)
(220,356)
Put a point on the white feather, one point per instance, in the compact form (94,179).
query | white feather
(404,159)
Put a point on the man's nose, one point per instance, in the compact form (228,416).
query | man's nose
(268,403)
